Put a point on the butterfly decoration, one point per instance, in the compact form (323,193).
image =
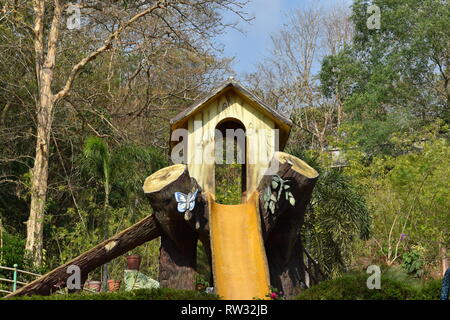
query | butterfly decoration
(186,203)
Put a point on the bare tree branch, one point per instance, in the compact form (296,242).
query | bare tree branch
(107,44)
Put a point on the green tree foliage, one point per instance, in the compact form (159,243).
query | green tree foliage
(228,179)
(110,201)
(393,82)
(12,251)
(337,217)
(394,79)
(409,195)
(395,285)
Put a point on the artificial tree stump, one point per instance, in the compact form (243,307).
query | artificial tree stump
(281,228)
(178,252)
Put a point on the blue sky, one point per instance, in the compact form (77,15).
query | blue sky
(250,47)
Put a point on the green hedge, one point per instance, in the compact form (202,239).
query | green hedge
(139,294)
(353,287)
(348,287)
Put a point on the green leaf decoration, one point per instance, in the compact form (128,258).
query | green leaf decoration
(292,201)
(273,193)
(272,207)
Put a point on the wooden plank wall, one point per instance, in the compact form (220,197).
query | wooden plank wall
(201,126)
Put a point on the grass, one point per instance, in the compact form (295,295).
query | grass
(395,285)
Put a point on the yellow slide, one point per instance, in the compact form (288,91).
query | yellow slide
(239,259)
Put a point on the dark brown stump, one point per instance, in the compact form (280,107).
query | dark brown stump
(178,253)
(281,228)
(177,269)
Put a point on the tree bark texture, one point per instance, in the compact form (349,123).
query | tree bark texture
(281,229)
(45,65)
(178,252)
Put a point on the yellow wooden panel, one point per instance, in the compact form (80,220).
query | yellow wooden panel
(260,140)
(209,116)
(195,147)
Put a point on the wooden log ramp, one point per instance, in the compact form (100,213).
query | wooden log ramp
(141,232)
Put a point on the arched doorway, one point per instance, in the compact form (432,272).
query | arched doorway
(230,165)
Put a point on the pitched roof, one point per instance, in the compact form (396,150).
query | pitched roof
(282,122)
(240,88)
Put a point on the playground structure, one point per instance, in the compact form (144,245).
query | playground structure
(251,246)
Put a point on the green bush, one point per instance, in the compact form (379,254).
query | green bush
(13,250)
(139,294)
(228,183)
(431,290)
(353,287)
(413,263)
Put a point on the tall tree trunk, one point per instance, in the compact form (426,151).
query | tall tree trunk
(39,179)
(45,65)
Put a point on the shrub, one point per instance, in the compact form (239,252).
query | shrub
(431,290)
(413,263)
(353,287)
(139,294)
(13,250)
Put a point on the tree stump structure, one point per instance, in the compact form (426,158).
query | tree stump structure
(178,253)
(180,231)
(281,227)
